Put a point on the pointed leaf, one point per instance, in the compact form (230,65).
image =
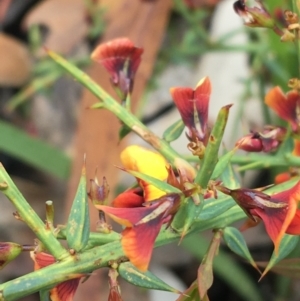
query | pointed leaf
(224,265)
(287,245)
(223,164)
(124,131)
(236,243)
(287,267)
(78,227)
(153,181)
(143,279)
(229,177)
(174,131)
(214,207)
(186,216)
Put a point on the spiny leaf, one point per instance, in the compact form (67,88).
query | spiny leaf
(287,245)
(289,267)
(153,181)
(214,207)
(186,216)
(236,243)
(173,132)
(143,279)
(78,227)
(124,131)
(223,164)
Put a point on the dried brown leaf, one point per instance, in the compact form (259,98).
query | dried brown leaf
(14,61)
(65,19)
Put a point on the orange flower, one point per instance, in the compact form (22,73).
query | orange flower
(121,59)
(193,107)
(142,210)
(285,105)
(143,225)
(278,212)
(64,291)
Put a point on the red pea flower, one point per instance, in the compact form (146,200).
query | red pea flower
(193,107)
(266,141)
(285,105)
(145,209)
(278,212)
(121,59)
(64,291)
(142,226)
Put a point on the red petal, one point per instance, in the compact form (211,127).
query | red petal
(128,216)
(278,220)
(202,96)
(249,143)
(41,260)
(273,219)
(296,150)
(114,54)
(284,105)
(185,103)
(129,199)
(114,295)
(65,291)
(294,227)
(138,242)
(188,101)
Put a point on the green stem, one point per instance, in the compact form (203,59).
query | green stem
(118,110)
(295,6)
(29,216)
(96,258)
(261,161)
(211,153)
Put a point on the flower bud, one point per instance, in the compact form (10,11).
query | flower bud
(99,194)
(257,16)
(8,252)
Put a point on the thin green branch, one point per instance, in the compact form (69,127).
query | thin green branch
(119,111)
(96,258)
(28,215)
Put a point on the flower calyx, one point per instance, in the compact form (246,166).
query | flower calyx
(257,16)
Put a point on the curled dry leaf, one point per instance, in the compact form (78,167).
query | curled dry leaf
(65,19)
(14,61)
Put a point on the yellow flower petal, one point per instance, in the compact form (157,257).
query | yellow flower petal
(148,162)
